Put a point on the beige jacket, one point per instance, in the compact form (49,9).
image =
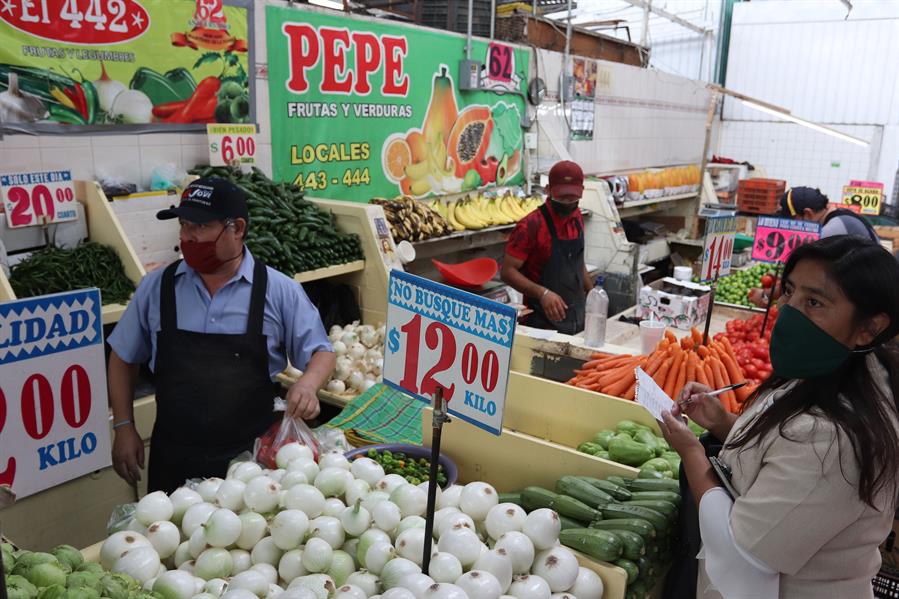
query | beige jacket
(798,514)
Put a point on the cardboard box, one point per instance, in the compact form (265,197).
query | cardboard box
(679,304)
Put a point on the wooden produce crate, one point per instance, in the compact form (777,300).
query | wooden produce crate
(103,227)
(760,196)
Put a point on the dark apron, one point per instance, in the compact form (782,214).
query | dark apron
(564,275)
(213,392)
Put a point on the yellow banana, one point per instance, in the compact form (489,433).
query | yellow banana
(451,216)
(467,218)
(418,170)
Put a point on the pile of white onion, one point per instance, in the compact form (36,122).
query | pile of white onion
(341,530)
(360,358)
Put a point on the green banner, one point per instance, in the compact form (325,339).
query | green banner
(150,63)
(363,109)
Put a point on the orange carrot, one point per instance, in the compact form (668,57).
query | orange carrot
(662,373)
(631,391)
(718,382)
(676,361)
(618,388)
(701,374)
(696,336)
(654,362)
(670,336)
(601,355)
(690,374)
(703,351)
(681,379)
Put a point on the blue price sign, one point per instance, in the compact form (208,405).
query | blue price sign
(439,336)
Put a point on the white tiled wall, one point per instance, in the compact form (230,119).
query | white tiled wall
(799,155)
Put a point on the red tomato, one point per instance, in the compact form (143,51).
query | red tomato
(750,370)
(760,352)
(767,281)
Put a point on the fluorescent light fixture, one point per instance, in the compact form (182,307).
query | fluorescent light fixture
(328,4)
(795,119)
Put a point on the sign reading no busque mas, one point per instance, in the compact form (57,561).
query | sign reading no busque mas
(439,336)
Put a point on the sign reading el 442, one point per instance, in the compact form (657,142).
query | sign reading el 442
(438,336)
(54,419)
(38,198)
(776,238)
(718,249)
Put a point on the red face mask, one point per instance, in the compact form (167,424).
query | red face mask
(201,255)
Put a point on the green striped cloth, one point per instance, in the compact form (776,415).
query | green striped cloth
(381,415)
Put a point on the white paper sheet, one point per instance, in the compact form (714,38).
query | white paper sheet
(651,396)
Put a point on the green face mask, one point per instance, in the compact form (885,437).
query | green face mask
(800,349)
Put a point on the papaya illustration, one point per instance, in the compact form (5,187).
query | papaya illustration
(442,110)
(469,138)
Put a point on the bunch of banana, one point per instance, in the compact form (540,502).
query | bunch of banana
(413,220)
(480,211)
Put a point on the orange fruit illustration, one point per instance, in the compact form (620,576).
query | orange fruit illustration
(397,156)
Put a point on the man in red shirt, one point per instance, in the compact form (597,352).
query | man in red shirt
(545,255)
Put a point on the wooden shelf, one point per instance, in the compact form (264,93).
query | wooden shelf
(462,240)
(331,271)
(112,313)
(631,209)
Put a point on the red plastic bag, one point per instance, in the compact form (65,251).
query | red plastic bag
(287,430)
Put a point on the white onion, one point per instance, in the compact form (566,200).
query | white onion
(417,582)
(377,556)
(587,585)
(290,452)
(387,515)
(230,494)
(369,538)
(444,591)
(357,490)
(343,369)
(182,554)
(267,570)
(395,570)
(339,347)
(373,499)
(410,522)
(118,543)
(450,497)
(175,584)
(336,386)
(445,567)
(197,543)
(333,459)
(239,594)
(342,565)
(332,481)
(440,515)
(291,478)
(390,482)
(351,546)
(411,500)
(291,565)
(277,474)
(461,542)
(333,507)
(410,545)
(356,351)
(529,587)
(241,560)
(195,517)
(223,528)
(288,529)
(261,494)
(305,498)
(480,585)
(520,549)
(154,507)
(214,563)
(504,517)
(252,529)
(349,591)
(317,555)
(452,520)
(182,499)
(368,470)
(349,338)
(355,380)
(558,567)
(320,584)
(188,566)
(135,526)
(397,593)
(165,538)
(355,519)
(328,529)
(266,552)
(305,465)
(140,563)
(542,528)
(208,488)
(366,581)
(216,586)
(498,563)
(147,587)
(477,498)
(250,580)
(245,471)
(274,591)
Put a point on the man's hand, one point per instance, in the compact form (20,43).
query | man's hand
(302,400)
(553,306)
(128,453)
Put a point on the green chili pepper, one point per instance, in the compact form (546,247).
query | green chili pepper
(92,100)
(62,114)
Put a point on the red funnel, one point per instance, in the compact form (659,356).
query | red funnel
(472,273)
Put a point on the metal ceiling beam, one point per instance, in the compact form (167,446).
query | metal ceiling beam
(644,4)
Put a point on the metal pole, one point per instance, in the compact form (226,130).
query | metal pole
(439,417)
(567,39)
(470,16)
(492,17)
(644,35)
(708,316)
(770,300)
(534,8)
(709,121)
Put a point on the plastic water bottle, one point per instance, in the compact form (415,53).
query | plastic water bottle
(597,312)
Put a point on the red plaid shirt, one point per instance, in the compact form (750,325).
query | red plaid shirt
(530,239)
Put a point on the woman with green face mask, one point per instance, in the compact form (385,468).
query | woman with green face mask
(811,464)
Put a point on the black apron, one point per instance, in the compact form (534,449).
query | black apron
(564,275)
(213,392)
(845,212)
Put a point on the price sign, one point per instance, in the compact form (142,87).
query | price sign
(54,419)
(718,249)
(500,62)
(38,198)
(438,336)
(867,198)
(776,238)
(231,144)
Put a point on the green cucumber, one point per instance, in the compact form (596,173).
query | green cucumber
(583,491)
(661,484)
(510,498)
(674,498)
(621,482)
(569,523)
(598,544)
(534,498)
(635,525)
(646,567)
(663,507)
(633,571)
(623,511)
(634,545)
(572,508)
(616,491)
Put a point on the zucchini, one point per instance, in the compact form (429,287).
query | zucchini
(650,474)
(636,525)
(663,507)
(534,498)
(621,482)
(583,491)
(674,498)
(633,571)
(646,566)
(578,510)
(598,544)
(634,545)
(625,511)
(616,491)
(639,589)
(511,498)
(568,523)
(647,484)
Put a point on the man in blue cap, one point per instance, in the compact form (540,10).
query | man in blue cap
(216,328)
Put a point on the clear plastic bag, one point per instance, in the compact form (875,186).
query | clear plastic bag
(331,439)
(121,518)
(166,176)
(287,430)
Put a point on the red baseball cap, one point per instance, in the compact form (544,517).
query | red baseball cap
(566,179)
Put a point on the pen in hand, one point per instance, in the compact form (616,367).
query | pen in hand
(714,393)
